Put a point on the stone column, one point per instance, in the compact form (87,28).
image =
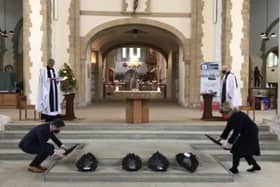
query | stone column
(100,75)
(2,48)
(36,43)
(181,78)
(77,62)
(169,75)
(278,96)
(26,44)
(45,28)
(226,32)
(218,55)
(245,48)
(196,52)
(235,41)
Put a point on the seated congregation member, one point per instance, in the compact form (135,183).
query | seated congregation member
(244,140)
(36,142)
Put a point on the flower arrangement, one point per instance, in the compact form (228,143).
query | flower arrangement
(69,83)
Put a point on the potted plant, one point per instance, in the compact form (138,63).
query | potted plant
(68,86)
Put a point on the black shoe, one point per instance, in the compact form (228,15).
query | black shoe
(234,170)
(254,168)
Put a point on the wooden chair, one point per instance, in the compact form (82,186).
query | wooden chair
(22,105)
(249,107)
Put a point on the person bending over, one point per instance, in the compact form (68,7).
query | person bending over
(244,140)
(36,142)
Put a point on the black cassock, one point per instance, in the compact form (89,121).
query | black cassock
(48,98)
(245,136)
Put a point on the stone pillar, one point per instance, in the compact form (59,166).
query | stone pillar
(169,75)
(45,28)
(187,83)
(226,32)
(32,44)
(245,48)
(235,41)
(74,36)
(196,52)
(74,50)
(2,52)
(26,44)
(100,75)
(278,91)
(36,43)
(181,78)
(218,29)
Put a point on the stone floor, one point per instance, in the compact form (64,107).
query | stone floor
(14,173)
(115,112)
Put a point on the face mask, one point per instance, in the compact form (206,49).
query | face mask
(223,71)
(56,131)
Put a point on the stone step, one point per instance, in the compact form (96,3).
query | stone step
(74,141)
(198,145)
(225,152)
(135,135)
(274,121)
(264,146)
(133,127)
(119,154)
(220,154)
(116,174)
(213,133)
(263,157)
(221,157)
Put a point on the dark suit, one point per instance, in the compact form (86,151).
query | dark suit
(35,142)
(245,138)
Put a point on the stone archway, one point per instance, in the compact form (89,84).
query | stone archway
(263,48)
(182,41)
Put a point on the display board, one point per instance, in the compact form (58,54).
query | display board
(210,81)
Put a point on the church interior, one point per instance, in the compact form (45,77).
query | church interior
(137,87)
(150,51)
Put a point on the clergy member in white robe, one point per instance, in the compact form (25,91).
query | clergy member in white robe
(48,98)
(229,88)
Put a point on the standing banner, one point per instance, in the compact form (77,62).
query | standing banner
(210,80)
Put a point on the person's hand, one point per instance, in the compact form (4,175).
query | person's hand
(63,147)
(227,146)
(221,141)
(59,153)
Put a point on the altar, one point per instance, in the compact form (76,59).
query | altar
(137,108)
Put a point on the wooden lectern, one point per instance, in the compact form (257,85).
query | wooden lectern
(207,110)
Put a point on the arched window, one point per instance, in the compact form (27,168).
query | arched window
(272,60)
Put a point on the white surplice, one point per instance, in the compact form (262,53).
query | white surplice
(232,94)
(43,95)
